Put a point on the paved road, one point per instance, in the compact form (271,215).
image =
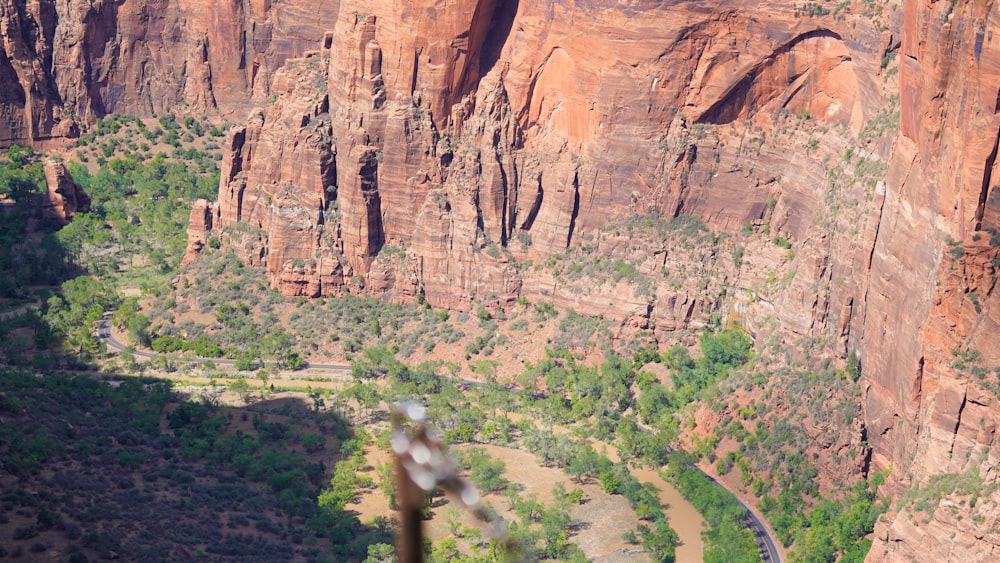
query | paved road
(768,549)
(105,334)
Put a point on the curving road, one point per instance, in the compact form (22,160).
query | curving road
(769,552)
(768,549)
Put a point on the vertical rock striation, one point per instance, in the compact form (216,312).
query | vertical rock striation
(488,134)
(932,334)
(64,63)
(459,151)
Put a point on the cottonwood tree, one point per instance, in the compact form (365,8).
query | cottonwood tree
(242,388)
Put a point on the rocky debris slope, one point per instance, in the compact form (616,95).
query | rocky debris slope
(65,63)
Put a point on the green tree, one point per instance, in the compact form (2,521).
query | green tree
(245,361)
(661,542)
(241,388)
(377,362)
(529,509)
(294,361)
(366,394)
(138,325)
(555,522)
(586,462)
(484,471)
(343,488)
(387,482)
(445,551)
(264,375)
(381,553)
(316,396)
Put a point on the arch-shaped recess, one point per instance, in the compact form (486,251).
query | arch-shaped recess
(812,72)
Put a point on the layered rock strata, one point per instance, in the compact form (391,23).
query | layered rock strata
(479,139)
(932,334)
(439,154)
(65,63)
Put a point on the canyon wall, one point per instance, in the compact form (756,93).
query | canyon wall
(932,334)
(439,152)
(476,155)
(65,63)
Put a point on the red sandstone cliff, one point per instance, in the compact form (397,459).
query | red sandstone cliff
(481,140)
(931,405)
(64,63)
(532,127)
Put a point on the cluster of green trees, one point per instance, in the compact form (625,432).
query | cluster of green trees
(773,458)
(539,531)
(600,399)
(129,318)
(582,463)
(543,531)
(250,341)
(243,338)
(721,352)
(486,472)
(480,414)
(270,458)
(835,531)
(74,313)
(135,224)
(727,538)
(27,340)
(201,345)
(265,458)
(607,398)
(30,257)
(147,205)
(140,204)
(604,401)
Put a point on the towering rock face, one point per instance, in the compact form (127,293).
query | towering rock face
(438,152)
(932,335)
(279,183)
(490,134)
(468,152)
(64,63)
(63,197)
